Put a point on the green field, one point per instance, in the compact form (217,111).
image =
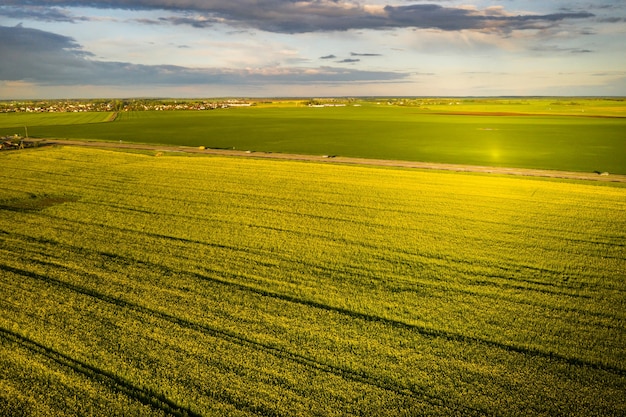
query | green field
(584,135)
(132,284)
(17,121)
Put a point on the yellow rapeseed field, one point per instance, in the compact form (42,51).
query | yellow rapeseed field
(185,285)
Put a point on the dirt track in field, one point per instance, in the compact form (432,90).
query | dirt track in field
(591,176)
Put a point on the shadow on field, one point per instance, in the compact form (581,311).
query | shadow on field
(306,361)
(232,337)
(35,203)
(143,395)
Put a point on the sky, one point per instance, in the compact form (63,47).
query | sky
(311,48)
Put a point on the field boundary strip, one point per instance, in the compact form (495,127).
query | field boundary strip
(527,172)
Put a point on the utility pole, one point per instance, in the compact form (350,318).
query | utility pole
(22,140)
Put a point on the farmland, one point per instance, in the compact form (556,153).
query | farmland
(133,284)
(19,120)
(584,135)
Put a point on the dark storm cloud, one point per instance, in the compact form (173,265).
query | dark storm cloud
(45,58)
(286,16)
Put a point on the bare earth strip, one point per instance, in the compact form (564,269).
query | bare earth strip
(347,160)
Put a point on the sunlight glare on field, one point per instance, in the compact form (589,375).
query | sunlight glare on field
(495,155)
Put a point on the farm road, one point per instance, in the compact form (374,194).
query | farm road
(347,160)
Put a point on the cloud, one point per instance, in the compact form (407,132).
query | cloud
(588,32)
(331,56)
(610,74)
(284,16)
(357,54)
(612,19)
(349,61)
(31,53)
(46,14)
(552,49)
(45,58)
(493,19)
